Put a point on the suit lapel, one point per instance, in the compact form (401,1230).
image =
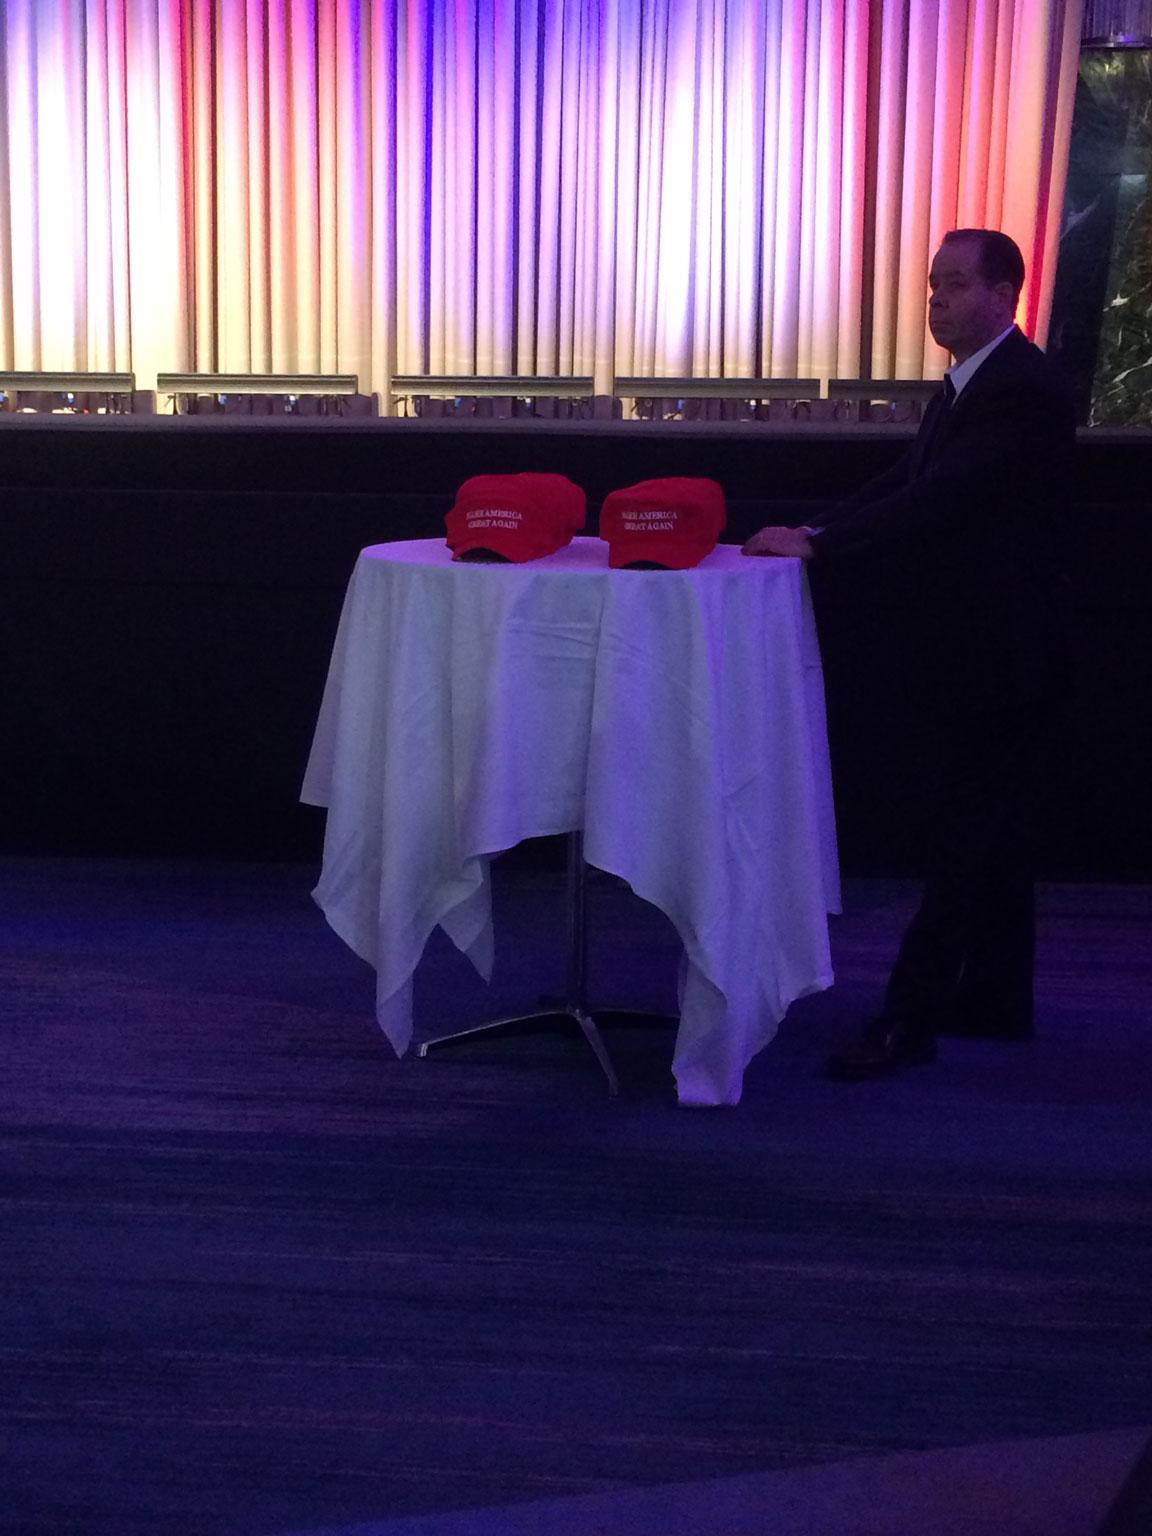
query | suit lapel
(938,421)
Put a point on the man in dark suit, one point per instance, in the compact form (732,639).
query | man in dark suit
(970,518)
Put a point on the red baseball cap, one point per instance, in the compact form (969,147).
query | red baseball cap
(673,523)
(519,517)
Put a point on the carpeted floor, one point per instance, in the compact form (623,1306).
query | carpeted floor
(260,1277)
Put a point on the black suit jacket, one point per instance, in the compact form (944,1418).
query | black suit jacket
(972,522)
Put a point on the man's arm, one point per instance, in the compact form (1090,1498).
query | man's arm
(795,542)
(1006,444)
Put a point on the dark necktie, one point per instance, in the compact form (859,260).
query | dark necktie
(929,438)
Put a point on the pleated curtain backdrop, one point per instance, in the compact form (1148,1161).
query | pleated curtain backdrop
(93,266)
(608,187)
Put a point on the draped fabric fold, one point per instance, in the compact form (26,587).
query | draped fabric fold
(704,187)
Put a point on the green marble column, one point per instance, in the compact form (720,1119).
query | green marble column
(1122,384)
(1102,307)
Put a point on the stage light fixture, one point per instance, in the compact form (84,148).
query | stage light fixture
(524,386)
(891,400)
(500,396)
(303,394)
(705,389)
(48,391)
(686,399)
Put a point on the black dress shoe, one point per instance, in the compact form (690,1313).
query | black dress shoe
(887,1045)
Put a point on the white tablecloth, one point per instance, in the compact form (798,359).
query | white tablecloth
(676,716)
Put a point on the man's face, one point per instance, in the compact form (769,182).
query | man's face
(965,313)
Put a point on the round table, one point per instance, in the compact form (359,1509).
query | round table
(676,718)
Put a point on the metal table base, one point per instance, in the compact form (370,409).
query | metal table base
(572,1007)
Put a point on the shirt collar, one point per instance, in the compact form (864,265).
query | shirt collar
(961,373)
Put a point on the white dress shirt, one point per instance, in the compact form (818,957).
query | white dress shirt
(961,373)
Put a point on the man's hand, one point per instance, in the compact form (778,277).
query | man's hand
(780,541)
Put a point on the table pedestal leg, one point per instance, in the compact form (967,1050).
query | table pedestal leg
(572,1008)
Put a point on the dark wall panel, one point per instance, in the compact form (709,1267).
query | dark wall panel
(169,594)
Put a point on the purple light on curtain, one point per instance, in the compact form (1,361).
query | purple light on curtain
(493,186)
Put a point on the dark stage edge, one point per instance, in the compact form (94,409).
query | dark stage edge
(170,591)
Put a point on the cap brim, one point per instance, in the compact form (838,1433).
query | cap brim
(468,546)
(648,551)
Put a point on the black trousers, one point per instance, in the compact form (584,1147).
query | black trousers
(967,958)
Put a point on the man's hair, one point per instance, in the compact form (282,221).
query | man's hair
(1000,258)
